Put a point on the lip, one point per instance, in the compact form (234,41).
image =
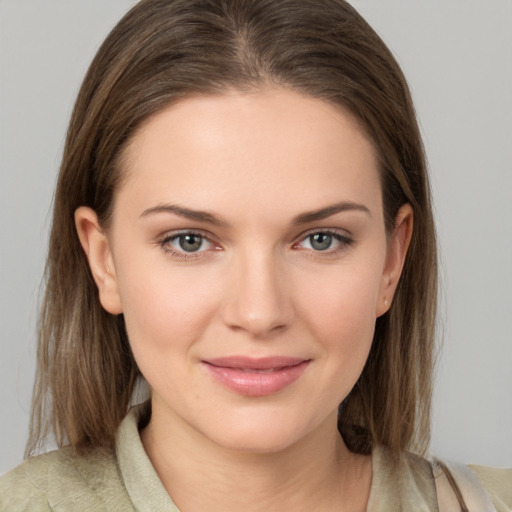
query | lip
(256,376)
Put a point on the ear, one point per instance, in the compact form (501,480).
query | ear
(97,249)
(395,259)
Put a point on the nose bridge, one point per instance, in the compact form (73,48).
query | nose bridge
(259,301)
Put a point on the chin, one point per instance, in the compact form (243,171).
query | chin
(263,435)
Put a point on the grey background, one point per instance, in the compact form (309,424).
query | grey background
(457,55)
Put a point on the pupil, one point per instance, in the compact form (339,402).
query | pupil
(321,241)
(191,243)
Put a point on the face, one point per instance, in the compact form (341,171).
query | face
(248,254)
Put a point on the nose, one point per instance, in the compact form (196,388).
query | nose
(258,299)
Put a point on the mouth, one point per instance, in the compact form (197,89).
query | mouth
(256,376)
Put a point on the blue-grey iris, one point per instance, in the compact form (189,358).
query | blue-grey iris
(321,241)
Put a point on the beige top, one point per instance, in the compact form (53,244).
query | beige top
(59,481)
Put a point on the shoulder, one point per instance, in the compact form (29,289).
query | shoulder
(60,480)
(430,482)
(482,488)
(498,484)
(403,482)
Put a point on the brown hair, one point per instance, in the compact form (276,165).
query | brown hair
(163,50)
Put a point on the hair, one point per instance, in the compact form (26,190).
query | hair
(164,50)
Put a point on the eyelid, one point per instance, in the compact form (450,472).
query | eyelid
(172,233)
(328,231)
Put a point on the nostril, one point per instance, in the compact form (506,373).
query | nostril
(271,322)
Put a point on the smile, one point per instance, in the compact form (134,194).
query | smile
(256,377)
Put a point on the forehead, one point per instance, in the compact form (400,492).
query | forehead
(266,145)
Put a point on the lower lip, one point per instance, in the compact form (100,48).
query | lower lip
(252,383)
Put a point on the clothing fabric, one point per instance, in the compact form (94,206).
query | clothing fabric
(124,481)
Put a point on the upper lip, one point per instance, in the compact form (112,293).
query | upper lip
(255,363)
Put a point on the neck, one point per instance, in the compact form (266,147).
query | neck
(316,473)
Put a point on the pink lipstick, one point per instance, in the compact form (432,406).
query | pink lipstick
(256,376)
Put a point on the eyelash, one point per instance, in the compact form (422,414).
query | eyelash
(342,240)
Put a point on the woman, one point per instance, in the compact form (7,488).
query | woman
(243,221)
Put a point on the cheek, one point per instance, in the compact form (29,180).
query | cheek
(344,326)
(343,297)
(165,309)
(341,311)
(166,315)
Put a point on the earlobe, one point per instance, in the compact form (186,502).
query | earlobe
(97,249)
(397,251)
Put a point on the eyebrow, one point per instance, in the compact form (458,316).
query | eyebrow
(186,213)
(210,218)
(328,211)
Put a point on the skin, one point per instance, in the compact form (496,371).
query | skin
(257,286)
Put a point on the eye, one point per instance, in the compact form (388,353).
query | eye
(324,241)
(186,243)
(189,242)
